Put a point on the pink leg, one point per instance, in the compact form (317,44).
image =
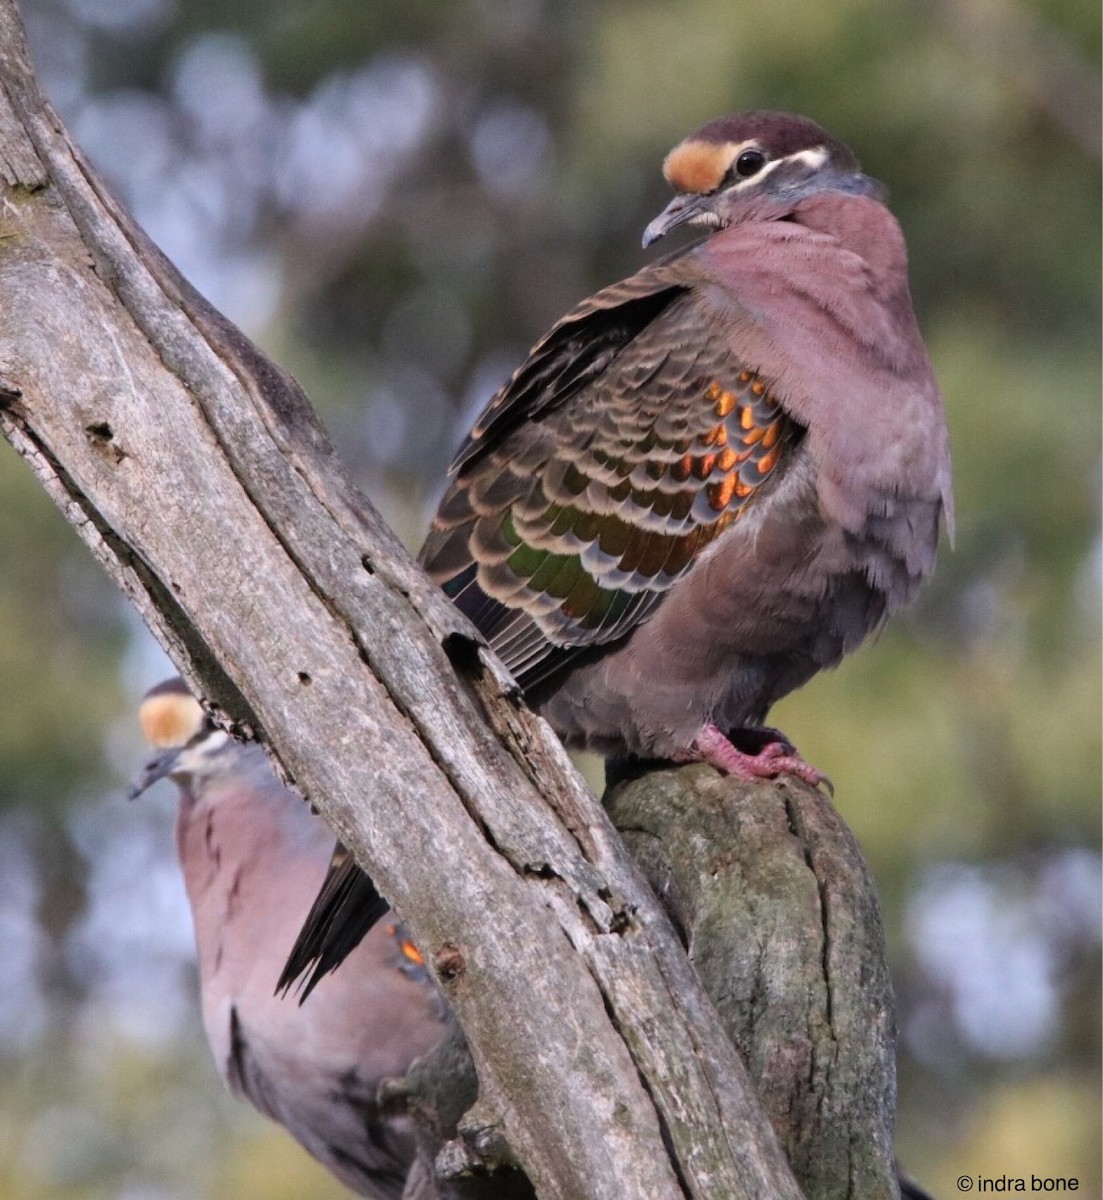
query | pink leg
(775,758)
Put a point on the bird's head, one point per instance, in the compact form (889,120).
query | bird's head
(753,166)
(184,741)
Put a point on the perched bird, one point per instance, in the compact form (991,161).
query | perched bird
(253,858)
(707,482)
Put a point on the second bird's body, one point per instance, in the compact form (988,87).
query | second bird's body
(253,857)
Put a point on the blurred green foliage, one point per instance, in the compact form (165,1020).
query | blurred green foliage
(968,734)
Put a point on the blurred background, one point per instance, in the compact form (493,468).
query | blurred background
(395,199)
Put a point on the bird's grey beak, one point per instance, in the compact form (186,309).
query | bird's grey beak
(685,209)
(155,768)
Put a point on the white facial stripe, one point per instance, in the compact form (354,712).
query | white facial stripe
(700,168)
(813,158)
(200,757)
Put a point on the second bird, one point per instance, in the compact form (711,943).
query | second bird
(253,857)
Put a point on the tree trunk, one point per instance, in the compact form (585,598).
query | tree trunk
(198,475)
(779,915)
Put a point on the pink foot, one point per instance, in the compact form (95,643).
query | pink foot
(773,759)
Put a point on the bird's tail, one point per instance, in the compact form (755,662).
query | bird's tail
(347,906)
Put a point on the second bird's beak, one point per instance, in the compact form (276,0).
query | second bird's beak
(156,767)
(685,209)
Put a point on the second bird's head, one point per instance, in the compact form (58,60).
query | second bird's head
(754,166)
(186,744)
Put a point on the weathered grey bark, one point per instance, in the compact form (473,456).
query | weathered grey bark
(196,472)
(780,917)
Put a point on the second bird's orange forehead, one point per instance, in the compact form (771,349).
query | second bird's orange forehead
(170,718)
(699,166)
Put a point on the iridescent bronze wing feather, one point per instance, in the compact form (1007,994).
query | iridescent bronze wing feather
(627,442)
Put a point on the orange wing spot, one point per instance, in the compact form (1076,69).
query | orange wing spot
(745,376)
(768,461)
(720,494)
(704,465)
(713,392)
(716,436)
(753,435)
(727,460)
(742,489)
(724,404)
(770,437)
(411,952)
(683,468)
(758,387)
(746,418)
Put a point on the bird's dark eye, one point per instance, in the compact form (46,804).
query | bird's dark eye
(749,163)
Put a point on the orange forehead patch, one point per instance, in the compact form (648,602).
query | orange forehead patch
(170,719)
(695,166)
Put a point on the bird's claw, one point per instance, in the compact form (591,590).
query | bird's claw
(776,757)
